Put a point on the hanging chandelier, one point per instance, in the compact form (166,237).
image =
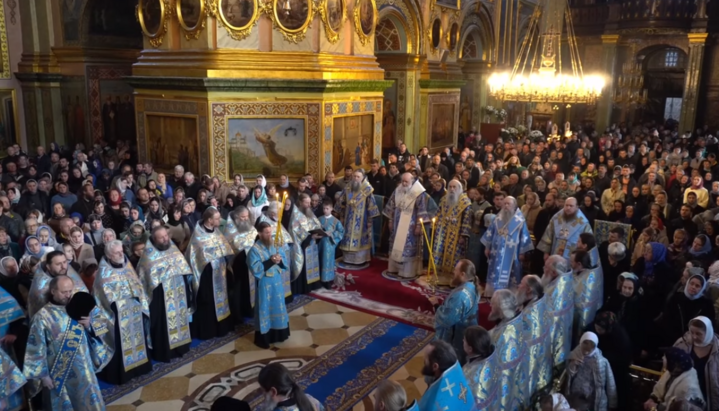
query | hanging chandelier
(541,79)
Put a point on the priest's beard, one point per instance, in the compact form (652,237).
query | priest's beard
(495,315)
(452,198)
(244,226)
(546,279)
(570,217)
(164,246)
(400,194)
(266,243)
(355,186)
(308,212)
(428,374)
(522,297)
(505,215)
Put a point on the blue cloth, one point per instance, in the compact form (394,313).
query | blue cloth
(270,309)
(458,312)
(506,240)
(328,245)
(10,311)
(66,200)
(450,392)
(659,254)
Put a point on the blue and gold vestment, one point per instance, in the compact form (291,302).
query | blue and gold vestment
(356,211)
(37,296)
(454,223)
(287,244)
(301,225)
(451,391)
(484,377)
(538,339)
(560,304)
(456,313)
(508,339)
(562,235)
(588,291)
(507,240)
(270,309)
(328,246)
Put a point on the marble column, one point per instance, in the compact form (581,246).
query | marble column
(692,80)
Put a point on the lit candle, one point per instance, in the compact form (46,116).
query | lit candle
(431,259)
(279,219)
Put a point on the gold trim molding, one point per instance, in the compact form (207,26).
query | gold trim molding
(237,33)
(364,38)
(697,37)
(453,51)
(192,32)
(272,9)
(332,35)
(156,38)
(5,52)
(436,17)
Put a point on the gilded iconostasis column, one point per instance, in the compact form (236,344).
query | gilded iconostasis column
(692,80)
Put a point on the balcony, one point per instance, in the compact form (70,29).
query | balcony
(664,14)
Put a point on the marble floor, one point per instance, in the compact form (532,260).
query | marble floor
(315,329)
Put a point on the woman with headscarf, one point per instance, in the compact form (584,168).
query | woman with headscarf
(701,250)
(228,206)
(58,213)
(702,345)
(655,277)
(689,304)
(114,200)
(554,402)
(81,250)
(616,347)
(677,250)
(590,375)
(648,235)
(590,210)
(257,202)
(47,238)
(618,212)
(188,213)
(108,235)
(11,281)
(33,248)
(679,382)
(155,211)
(164,188)
(178,228)
(627,306)
(136,233)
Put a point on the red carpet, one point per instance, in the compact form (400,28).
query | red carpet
(368,291)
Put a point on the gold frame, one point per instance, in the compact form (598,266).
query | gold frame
(5,72)
(332,35)
(453,51)
(291,35)
(237,33)
(15,112)
(195,117)
(358,114)
(192,32)
(432,47)
(165,10)
(365,37)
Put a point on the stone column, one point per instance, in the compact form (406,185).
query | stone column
(478,72)
(692,80)
(605,103)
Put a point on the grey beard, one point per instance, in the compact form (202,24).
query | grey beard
(308,212)
(452,199)
(505,215)
(546,280)
(494,316)
(355,186)
(244,226)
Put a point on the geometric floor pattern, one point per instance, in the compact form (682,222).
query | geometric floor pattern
(315,328)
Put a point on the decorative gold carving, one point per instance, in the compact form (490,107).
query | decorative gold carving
(697,37)
(446,4)
(408,21)
(153,16)
(281,13)
(364,22)
(453,36)
(238,27)
(4,50)
(192,25)
(434,33)
(333,20)
(650,31)
(12,4)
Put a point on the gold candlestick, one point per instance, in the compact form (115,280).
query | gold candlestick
(279,219)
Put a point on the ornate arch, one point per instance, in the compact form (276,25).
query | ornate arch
(391,34)
(406,13)
(476,21)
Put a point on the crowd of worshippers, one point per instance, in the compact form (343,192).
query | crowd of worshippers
(162,259)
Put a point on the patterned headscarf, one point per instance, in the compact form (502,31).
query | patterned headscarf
(707,247)
(659,254)
(678,359)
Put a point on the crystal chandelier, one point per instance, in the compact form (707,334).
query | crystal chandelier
(540,79)
(630,90)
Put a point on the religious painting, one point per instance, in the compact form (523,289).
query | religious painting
(74,109)
(113,18)
(237,13)
(151,16)
(172,140)
(8,119)
(71,13)
(352,142)
(367,17)
(118,111)
(292,15)
(465,106)
(436,33)
(335,12)
(442,125)
(189,12)
(389,118)
(453,37)
(267,146)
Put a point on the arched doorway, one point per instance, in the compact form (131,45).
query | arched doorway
(664,70)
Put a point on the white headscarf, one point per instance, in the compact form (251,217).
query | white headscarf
(590,336)
(709,335)
(700,276)
(714,272)
(559,403)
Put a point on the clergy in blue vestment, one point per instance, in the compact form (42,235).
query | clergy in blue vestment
(13,339)
(55,264)
(482,370)
(406,206)
(304,228)
(447,389)
(588,291)
(356,207)
(459,310)
(328,244)
(266,262)
(71,383)
(506,241)
(285,242)
(120,295)
(537,332)
(11,382)
(454,219)
(562,234)
(508,339)
(559,289)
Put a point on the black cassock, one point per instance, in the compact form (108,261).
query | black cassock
(240,302)
(158,325)
(299,285)
(114,373)
(204,325)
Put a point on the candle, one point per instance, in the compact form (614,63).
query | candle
(431,259)
(279,219)
(434,266)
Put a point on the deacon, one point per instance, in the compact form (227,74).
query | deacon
(120,295)
(266,262)
(405,208)
(482,369)
(55,265)
(11,398)
(207,253)
(588,291)
(356,208)
(447,386)
(459,310)
(508,339)
(537,327)
(454,218)
(13,341)
(285,242)
(506,241)
(64,355)
(302,223)
(167,280)
(562,234)
(328,244)
(241,234)
(559,289)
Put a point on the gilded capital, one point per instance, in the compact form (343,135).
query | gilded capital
(610,38)
(695,38)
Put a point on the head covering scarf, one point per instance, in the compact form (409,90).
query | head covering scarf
(708,336)
(257,202)
(606,320)
(103,234)
(29,252)
(714,273)
(52,243)
(706,248)
(659,254)
(679,360)
(590,336)
(701,278)
(3,271)
(287,214)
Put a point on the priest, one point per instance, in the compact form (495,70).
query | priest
(241,235)
(328,244)
(120,295)
(537,327)
(266,262)
(448,388)
(559,288)
(508,339)
(506,241)
(167,280)
(356,208)
(305,230)
(284,241)
(207,254)
(405,208)
(13,341)
(11,395)
(563,232)
(588,291)
(71,383)
(454,218)
(482,370)
(55,265)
